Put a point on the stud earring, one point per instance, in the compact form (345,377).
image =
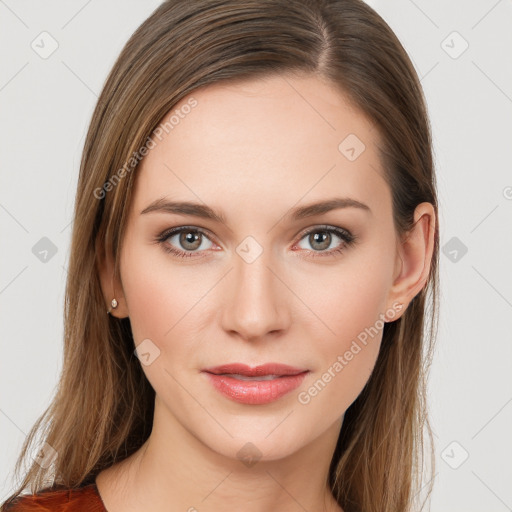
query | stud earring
(399,307)
(113,305)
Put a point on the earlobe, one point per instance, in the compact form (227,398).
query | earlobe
(415,256)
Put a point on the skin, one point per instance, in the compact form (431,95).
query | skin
(253,150)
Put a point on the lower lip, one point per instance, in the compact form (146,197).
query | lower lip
(255,392)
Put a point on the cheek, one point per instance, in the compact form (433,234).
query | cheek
(350,307)
(165,307)
(160,297)
(349,298)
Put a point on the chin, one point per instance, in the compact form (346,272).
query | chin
(257,439)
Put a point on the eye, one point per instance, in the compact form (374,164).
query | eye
(321,238)
(189,240)
(187,237)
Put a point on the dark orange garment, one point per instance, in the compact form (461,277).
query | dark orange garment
(83,499)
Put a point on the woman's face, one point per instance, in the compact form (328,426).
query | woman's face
(271,283)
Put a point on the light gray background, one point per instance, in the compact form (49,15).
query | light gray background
(46,105)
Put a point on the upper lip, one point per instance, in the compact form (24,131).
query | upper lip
(255,371)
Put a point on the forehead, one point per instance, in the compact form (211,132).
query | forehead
(262,142)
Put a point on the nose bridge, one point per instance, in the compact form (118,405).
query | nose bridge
(256,304)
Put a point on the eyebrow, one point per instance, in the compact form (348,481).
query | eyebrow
(163,205)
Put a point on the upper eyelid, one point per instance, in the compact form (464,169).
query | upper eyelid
(319,227)
(173,231)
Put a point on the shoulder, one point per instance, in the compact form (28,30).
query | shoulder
(58,500)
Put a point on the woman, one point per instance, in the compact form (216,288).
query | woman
(254,245)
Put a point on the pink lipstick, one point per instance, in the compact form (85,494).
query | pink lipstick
(255,385)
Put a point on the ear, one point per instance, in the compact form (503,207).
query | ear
(111,288)
(414,257)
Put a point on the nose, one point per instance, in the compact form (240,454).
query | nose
(257,300)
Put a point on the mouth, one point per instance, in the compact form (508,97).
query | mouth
(265,371)
(257,385)
(246,377)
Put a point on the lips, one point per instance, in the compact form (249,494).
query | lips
(257,385)
(268,369)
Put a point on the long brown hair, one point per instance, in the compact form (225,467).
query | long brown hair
(103,409)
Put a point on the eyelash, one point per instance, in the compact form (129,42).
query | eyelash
(348,238)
